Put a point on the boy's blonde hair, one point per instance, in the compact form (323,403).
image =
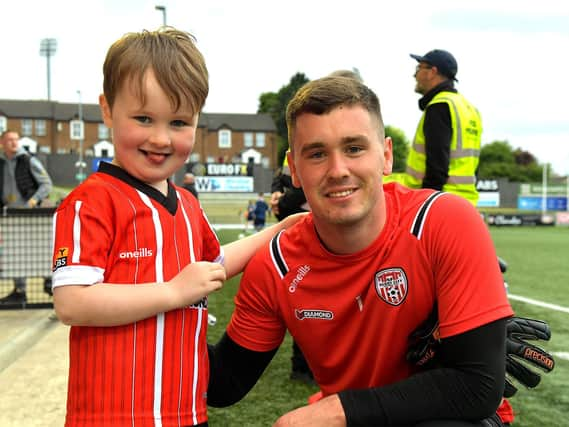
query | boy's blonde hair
(172,55)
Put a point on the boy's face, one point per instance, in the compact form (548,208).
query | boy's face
(152,141)
(339,159)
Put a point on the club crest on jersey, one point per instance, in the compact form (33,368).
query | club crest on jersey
(391,285)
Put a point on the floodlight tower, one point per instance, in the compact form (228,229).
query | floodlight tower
(47,49)
(163,10)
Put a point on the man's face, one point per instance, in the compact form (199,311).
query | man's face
(423,77)
(339,160)
(10,143)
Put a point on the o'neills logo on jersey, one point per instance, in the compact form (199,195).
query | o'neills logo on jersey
(313,314)
(141,253)
(300,273)
(391,285)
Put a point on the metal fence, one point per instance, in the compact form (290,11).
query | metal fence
(26,256)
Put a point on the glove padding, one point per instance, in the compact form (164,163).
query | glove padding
(518,330)
(424,343)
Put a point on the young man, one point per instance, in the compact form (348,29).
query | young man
(355,277)
(134,255)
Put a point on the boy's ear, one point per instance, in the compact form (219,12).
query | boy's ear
(105,111)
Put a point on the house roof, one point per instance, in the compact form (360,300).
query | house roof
(48,110)
(52,110)
(237,122)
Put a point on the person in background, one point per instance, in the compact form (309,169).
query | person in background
(189,183)
(354,278)
(286,199)
(25,184)
(446,147)
(134,255)
(260,213)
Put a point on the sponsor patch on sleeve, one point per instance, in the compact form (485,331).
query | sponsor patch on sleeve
(60,258)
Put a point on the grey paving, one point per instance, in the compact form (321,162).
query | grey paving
(33,368)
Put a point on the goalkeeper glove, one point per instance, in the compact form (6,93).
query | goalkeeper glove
(519,330)
(424,343)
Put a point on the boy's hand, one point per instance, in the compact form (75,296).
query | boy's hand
(196,281)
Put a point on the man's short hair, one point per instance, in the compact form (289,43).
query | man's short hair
(327,93)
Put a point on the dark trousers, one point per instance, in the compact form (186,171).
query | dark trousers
(298,361)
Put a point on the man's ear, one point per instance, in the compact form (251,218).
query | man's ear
(292,168)
(106,111)
(387,156)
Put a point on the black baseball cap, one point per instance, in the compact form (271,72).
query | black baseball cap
(443,60)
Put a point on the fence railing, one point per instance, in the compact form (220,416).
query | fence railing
(26,255)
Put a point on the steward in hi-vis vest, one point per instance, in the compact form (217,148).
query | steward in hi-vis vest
(464,148)
(446,148)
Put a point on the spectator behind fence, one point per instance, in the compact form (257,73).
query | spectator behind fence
(24,184)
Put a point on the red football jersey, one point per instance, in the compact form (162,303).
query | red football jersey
(115,229)
(352,314)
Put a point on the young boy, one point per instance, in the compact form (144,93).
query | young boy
(135,257)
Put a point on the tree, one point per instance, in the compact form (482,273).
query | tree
(499,160)
(400,147)
(275,103)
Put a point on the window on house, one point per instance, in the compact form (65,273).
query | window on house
(260,139)
(195,157)
(266,162)
(40,128)
(210,159)
(76,129)
(224,138)
(103,131)
(27,127)
(3,123)
(248,139)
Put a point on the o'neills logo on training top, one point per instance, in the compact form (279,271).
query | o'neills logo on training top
(300,273)
(141,253)
(391,285)
(313,314)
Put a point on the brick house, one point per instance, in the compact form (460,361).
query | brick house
(220,137)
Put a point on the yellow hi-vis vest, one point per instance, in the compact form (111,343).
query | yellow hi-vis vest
(464,148)
(285,170)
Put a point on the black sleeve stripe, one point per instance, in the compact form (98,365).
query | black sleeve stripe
(277,256)
(419,221)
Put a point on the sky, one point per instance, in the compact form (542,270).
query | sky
(511,54)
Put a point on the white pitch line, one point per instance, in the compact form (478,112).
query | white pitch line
(561,354)
(539,303)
